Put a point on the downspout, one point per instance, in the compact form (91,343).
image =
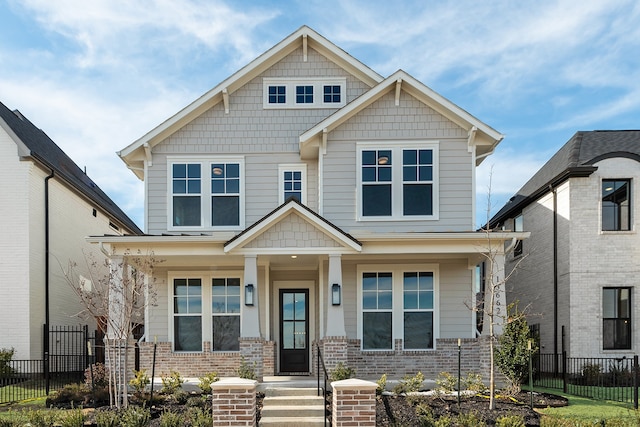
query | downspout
(555,269)
(46,278)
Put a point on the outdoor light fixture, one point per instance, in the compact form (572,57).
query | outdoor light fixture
(248,294)
(335,294)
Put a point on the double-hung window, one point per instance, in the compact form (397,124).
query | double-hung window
(417,288)
(616,318)
(187,314)
(377,308)
(398,303)
(616,205)
(398,182)
(206,194)
(225,308)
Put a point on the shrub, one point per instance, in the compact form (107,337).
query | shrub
(445,421)
(341,372)
(107,419)
(100,375)
(409,384)
(510,421)
(135,416)
(470,419)
(71,395)
(473,382)
(6,354)
(206,381)
(73,418)
(445,383)
(246,371)
(170,419)
(512,354)
(425,415)
(172,383)
(591,373)
(42,418)
(199,417)
(382,384)
(139,381)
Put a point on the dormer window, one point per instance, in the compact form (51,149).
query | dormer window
(304,92)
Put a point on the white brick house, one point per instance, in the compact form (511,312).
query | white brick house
(48,206)
(580,271)
(308,200)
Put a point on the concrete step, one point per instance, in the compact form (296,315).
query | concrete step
(293,401)
(291,391)
(293,421)
(292,411)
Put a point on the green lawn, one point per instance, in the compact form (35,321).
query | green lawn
(582,408)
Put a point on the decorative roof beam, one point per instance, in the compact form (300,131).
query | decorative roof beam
(398,87)
(325,133)
(147,154)
(225,99)
(471,141)
(304,47)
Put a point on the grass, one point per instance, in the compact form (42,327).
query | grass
(21,391)
(582,408)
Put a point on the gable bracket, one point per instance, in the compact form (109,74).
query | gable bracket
(398,87)
(325,133)
(225,99)
(147,154)
(304,47)
(471,141)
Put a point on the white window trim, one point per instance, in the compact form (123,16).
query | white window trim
(292,167)
(396,147)
(205,192)
(397,311)
(318,92)
(206,312)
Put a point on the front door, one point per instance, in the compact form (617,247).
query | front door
(294,331)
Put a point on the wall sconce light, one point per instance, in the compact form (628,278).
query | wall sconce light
(335,294)
(248,294)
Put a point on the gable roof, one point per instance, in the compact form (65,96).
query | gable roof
(34,143)
(304,37)
(576,158)
(292,205)
(484,137)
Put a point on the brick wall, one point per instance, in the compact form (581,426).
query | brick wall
(234,402)
(354,403)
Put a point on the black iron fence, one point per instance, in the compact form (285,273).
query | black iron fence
(65,361)
(603,378)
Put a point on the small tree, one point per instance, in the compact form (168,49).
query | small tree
(512,352)
(116,293)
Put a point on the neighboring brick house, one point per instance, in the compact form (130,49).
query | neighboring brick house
(48,207)
(579,269)
(306,199)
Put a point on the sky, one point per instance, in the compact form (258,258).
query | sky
(97,75)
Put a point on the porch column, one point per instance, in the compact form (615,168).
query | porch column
(250,314)
(335,313)
(495,287)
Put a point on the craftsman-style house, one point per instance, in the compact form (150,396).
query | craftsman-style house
(308,200)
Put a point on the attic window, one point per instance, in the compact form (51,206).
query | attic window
(304,92)
(95,213)
(115,227)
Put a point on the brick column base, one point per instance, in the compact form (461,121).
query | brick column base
(234,402)
(334,350)
(251,351)
(354,403)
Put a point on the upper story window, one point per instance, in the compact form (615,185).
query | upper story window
(292,182)
(616,205)
(206,194)
(314,92)
(518,225)
(616,318)
(398,182)
(277,95)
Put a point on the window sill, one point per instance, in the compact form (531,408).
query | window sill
(617,232)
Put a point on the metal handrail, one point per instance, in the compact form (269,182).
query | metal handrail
(320,362)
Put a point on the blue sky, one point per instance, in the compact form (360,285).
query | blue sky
(96,75)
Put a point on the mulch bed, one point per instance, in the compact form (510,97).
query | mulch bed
(401,410)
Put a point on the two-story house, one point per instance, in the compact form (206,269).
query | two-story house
(308,200)
(48,206)
(578,270)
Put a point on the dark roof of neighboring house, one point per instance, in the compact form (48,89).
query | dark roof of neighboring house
(575,159)
(45,151)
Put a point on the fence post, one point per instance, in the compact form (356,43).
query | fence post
(45,358)
(635,381)
(564,371)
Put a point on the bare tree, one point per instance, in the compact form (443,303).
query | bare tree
(115,292)
(496,277)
